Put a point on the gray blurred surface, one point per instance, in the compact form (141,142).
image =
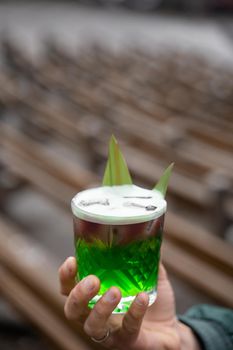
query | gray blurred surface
(43,221)
(74,24)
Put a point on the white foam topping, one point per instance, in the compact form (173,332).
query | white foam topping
(118,204)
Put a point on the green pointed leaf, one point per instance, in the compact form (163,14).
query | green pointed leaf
(116,171)
(162,184)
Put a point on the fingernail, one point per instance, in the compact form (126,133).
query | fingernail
(88,284)
(140,300)
(110,296)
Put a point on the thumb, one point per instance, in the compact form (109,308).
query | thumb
(163,309)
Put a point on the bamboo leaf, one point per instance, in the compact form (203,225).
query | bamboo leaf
(162,184)
(116,171)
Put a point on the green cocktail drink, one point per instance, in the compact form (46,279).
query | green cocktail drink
(118,234)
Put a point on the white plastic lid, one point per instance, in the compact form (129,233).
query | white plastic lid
(118,205)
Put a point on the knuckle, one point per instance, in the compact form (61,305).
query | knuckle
(135,314)
(74,296)
(87,329)
(73,315)
(98,312)
(71,307)
(101,310)
(77,296)
(62,275)
(69,315)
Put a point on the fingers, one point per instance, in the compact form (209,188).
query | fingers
(162,273)
(67,273)
(163,309)
(76,307)
(133,318)
(96,324)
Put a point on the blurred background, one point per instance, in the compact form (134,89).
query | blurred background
(158,74)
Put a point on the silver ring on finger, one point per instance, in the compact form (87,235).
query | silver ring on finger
(103,339)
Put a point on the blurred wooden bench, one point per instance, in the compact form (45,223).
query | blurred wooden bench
(94,133)
(172,142)
(189,251)
(142,165)
(29,281)
(54,73)
(195,141)
(117,97)
(158,69)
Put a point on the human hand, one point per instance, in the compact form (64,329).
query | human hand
(141,328)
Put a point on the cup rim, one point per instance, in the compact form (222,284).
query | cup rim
(117,220)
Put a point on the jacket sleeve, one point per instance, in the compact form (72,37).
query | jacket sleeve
(212,325)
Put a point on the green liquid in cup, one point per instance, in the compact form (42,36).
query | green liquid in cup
(132,268)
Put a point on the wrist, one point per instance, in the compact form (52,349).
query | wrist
(188,340)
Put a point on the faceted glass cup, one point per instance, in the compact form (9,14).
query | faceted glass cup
(124,255)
